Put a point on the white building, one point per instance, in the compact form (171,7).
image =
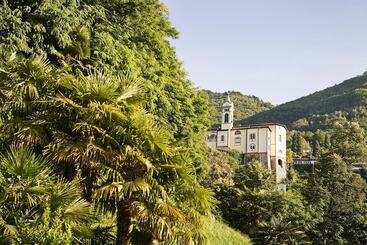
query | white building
(267,141)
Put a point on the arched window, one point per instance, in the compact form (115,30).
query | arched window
(226,118)
(222,138)
(280,162)
(237,132)
(252,147)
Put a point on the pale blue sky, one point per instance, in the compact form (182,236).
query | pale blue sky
(277,50)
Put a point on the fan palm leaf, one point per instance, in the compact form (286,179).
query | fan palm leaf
(33,199)
(23,163)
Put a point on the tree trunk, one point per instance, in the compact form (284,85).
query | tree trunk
(88,173)
(123,222)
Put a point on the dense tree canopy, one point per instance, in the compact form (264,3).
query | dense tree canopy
(120,37)
(326,206)
(93,128)
(38,207)
(339,198)
(96,87)
(250,201)
(349,141)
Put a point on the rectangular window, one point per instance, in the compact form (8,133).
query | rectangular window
(237,141)
(252,137)
(280,138)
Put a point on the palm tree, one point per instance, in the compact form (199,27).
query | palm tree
(36,207)
(278,231)
(121,153)
(93,128)
(24,89)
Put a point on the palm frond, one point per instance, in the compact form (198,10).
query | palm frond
(21,162)
(131,88)
(8,230)
(123,189)
(32,134)
(78,211)
(66,101)
(63,193)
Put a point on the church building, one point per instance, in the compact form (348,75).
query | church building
(266,142)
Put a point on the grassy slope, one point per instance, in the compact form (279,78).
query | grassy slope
(341,97)
(245,106)
(221,234)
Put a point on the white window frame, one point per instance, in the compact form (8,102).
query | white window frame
(252,137)
(237,141)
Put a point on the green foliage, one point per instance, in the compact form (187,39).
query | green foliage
(338,197)
(103,96)
(221,234)
(349,141)
(117,37)
(254,177)
(279,232)
(335,184)
(221,170)
(36,207)
(289,156)
(307,143)
(93,127)
(328,207)
(252,202)
(245,106)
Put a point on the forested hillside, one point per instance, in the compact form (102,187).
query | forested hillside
(245,106)
(318,109)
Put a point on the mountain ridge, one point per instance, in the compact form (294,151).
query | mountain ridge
(309,112)
(343,97)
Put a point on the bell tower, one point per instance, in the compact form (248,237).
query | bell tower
(227,114)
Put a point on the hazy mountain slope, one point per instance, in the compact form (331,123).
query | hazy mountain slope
(245,106)
(345,97)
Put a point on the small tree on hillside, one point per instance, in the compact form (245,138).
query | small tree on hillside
(254,199)
(338,196)
(349,141)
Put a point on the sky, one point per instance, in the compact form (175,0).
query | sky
(277,50)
